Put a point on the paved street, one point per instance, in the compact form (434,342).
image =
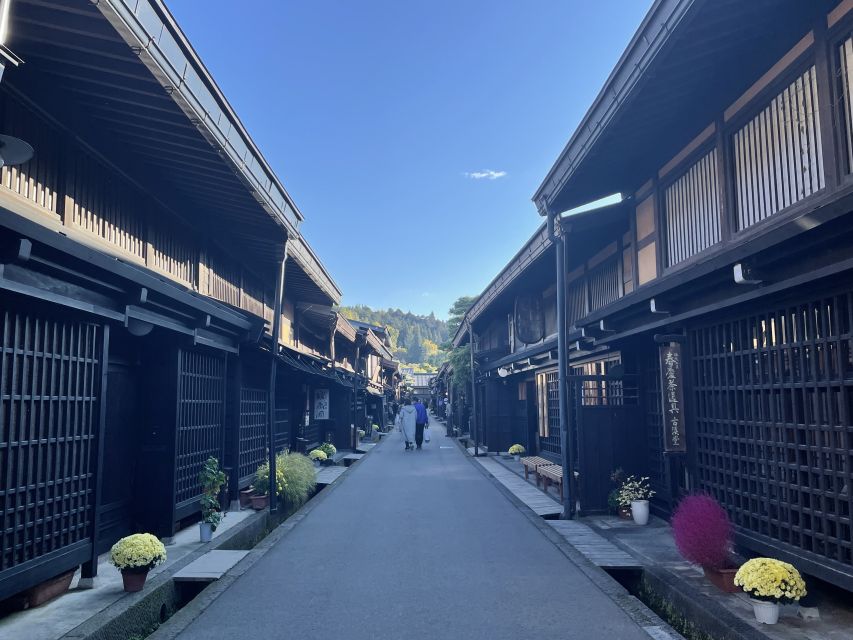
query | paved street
(414,545)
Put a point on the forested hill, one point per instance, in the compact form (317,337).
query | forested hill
(414,338)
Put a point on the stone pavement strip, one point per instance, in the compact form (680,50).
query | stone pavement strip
(414,545)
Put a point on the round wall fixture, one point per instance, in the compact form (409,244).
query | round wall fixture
(14,151)
(138,328)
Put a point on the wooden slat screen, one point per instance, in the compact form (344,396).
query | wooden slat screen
(49,389)
(201,403)
(173,255)
(252,299)
(774,418)
(39,179)
(777,155)
(224,281)
(576,301)
(105,207)
(548,400)
(692,206)
(846,70)
(253,431)
(604,284)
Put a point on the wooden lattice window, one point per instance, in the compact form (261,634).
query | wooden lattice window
(774,421)
(778,158)
(201,404)
(692,205)
(49,390)
(653,409)
(604,284)
(548,401)
(253,430)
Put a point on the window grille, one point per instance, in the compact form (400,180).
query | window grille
(692,206)
(774,420)
(778,157)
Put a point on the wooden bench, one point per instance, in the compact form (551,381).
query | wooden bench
(531,463)
(551,473)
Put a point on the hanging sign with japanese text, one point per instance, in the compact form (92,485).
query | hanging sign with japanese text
(672,386)
(321,404)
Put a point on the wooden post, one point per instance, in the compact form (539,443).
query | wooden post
(90,568)
(276,330)
(566,444)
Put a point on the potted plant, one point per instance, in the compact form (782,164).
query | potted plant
(617,477)
(318,456)
(261,498)
(135,556)
(361,434)
(329,449)
(516,451)
(703,535)
(246,497)
(768,583)
(635,493)
(211,478)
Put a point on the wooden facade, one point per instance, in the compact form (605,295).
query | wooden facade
(138,294)
(731,247)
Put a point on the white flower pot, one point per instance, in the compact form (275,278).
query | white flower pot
(765,612)
(517,457)
(205,531)
(640,511)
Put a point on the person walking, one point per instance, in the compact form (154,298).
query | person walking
(406,423)
(421,421)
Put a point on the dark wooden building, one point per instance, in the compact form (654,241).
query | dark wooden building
(144,251)
(709,314)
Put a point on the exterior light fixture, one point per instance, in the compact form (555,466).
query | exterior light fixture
(14,151)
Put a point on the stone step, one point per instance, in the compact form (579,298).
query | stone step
(209,567)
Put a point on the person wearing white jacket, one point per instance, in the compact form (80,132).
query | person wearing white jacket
(406,419)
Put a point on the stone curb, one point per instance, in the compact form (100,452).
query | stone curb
(193,609)
(644,617)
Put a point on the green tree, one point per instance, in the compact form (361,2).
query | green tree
(455,314)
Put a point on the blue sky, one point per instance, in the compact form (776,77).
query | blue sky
(411,134)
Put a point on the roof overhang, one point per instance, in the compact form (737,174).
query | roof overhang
(320,287)
(532,250)
(152,32)
(687,62)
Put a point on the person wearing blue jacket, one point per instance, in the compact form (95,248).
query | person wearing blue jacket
(421,421)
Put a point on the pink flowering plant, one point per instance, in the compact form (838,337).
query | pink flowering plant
(703,532)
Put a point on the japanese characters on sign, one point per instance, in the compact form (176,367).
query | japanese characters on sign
(673,398)
(321,404)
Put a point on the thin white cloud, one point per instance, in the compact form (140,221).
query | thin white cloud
(486,174)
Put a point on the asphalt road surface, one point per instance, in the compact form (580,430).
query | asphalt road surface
(414,544)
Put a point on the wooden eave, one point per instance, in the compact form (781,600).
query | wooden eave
(686,63)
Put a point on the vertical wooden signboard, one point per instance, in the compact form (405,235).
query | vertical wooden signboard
(321,404)
(672,387)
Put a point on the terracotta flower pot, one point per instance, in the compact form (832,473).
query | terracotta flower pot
(134,579)
(49,589)
(723,579)
(260,502)
(246,497)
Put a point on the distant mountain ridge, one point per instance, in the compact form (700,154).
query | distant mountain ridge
(414,338)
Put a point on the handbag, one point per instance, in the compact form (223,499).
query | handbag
(426,434)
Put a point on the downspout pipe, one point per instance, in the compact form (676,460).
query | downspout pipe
(566,436)
(474,428)
(276,330)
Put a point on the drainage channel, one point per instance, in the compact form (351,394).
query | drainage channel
(637,583)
